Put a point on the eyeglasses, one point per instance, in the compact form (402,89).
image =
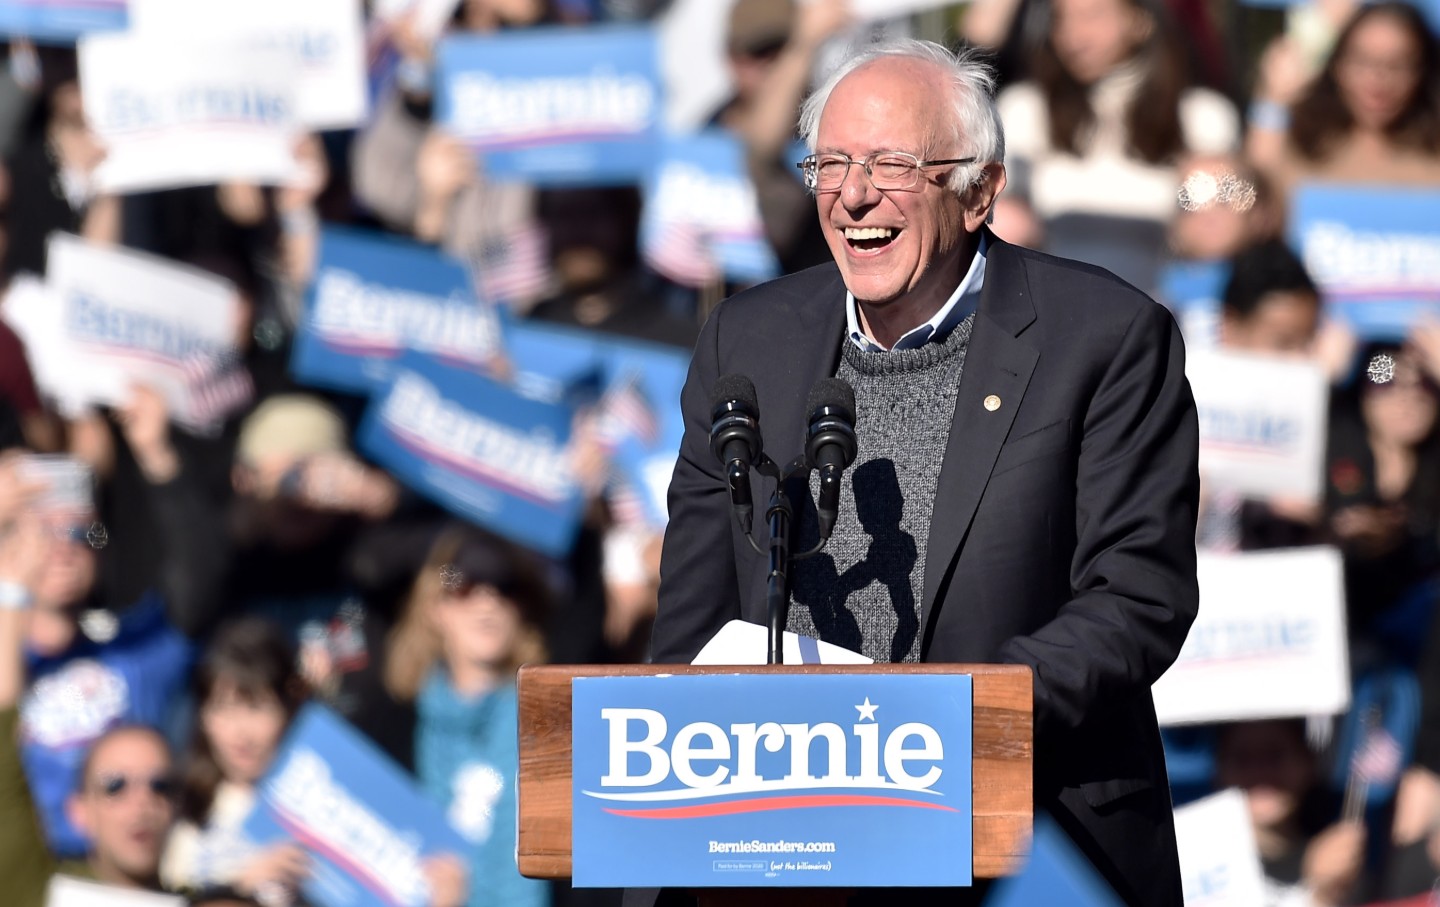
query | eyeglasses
(114,786)
(889,170)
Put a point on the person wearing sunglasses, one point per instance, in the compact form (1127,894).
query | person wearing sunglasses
(1026,485)
(123,801)
(88,668)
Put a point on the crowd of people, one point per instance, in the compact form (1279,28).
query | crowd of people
(161,627)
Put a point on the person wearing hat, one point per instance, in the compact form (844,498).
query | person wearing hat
(473,618)
(771,48)
(313,547)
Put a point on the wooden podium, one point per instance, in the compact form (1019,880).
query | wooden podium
(1001,770)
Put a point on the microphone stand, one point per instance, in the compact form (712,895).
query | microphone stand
(780,515)
(777,586)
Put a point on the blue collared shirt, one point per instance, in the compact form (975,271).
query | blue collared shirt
(956,309)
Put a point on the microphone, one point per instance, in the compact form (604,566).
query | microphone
(735,438)
(830,443)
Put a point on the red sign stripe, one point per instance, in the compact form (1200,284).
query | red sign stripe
(734,807)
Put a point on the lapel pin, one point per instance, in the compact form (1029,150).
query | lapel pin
(992,403)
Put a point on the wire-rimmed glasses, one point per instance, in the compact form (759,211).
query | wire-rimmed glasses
(894,170)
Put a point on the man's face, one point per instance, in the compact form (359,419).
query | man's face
(125,806)
(893,244)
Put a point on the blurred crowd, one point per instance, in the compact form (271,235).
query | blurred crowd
(159,631)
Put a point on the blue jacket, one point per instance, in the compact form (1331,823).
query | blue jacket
(467,757)
(75,697)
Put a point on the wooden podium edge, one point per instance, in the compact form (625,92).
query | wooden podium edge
(1002,748)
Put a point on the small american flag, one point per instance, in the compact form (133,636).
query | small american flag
(218,385)
(681,252)
(514,267)
(1378,758)
(625,412)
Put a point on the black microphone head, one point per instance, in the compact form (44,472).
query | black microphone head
(830,439)
(831,396)
(735,420)
(735,392)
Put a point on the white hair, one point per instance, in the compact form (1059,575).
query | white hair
(976,120)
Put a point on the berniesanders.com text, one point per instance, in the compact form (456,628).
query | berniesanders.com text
(772,846)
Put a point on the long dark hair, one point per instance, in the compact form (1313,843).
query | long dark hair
(1320,118)
(472,555)
(1152,121)
(254,656)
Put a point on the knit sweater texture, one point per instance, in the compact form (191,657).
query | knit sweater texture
(863,592)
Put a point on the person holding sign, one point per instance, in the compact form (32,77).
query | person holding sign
(248,690)
(1270,310)
(420,180)
(1308,859)
(123,797)
(1026,486)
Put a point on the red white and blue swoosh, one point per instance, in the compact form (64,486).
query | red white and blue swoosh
(731,799)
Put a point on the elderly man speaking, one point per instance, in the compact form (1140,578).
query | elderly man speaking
(1026,486)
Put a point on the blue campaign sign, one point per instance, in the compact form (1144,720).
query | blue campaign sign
(554,364)
(635,384)
(1055,873)
(61,21)
(700,202)
(1192,290)
(555,106)
(374,297)
(749,780)
(478,449)
(1374,251)
(366,824)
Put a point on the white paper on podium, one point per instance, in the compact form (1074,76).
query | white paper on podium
(743,643)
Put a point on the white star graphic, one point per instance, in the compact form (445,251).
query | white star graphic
(867,711)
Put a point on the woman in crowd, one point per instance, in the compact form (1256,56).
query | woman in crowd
(1383,496)
(1096,135)
(472,620)
(1372,115)
(248,691)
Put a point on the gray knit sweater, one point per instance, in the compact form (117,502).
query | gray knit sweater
(864,591)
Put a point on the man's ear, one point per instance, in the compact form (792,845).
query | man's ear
(979,197)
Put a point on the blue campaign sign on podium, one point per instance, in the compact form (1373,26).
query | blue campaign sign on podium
(729,780)
(374,297)
(366,825)
(478,449)
(554,106)
(1373,250)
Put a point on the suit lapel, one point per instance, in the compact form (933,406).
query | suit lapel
(812,352)
(997,364)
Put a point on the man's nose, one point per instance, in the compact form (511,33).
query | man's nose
(858,190)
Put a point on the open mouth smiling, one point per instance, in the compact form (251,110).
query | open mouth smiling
(870,239)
